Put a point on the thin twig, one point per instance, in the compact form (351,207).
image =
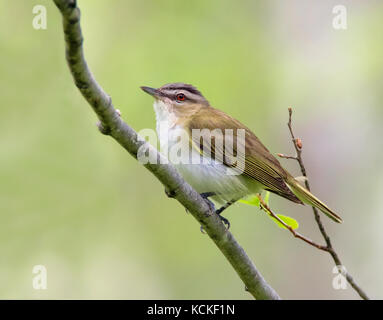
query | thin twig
(266,208)
(112,124)
(281,155)
(329,248)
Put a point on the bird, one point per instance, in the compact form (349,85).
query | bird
(208,165)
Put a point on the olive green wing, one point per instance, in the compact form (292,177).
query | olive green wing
(256,162)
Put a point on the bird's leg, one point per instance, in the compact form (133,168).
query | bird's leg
(220,210)
(225,206)
(206,196)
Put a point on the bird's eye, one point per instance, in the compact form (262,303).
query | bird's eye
(180,97)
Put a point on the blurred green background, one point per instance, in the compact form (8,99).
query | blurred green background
(76,202)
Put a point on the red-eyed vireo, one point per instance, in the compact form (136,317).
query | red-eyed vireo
(182,108)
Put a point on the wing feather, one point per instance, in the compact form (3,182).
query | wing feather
(259,163)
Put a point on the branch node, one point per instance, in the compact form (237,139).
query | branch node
(170,193)
(298,142)
(103,128)
(72,4)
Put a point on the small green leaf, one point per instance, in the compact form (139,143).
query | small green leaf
(251,200)
(288,220)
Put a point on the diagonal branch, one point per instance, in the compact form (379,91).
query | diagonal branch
(329,248)
(112,124)
(296,234)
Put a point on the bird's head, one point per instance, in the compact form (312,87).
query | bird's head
(176,99)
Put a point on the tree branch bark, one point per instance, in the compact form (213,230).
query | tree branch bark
(112,124)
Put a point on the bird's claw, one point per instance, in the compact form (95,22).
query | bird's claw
(225,222)
(211,205)
(206,196)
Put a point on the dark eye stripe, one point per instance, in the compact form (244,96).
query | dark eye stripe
(192,94)
(182,86)
(172,94)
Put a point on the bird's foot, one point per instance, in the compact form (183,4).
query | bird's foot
(218,212)
(211,205)
(206,196)
(225,222)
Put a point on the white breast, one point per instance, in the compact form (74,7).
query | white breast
(206,176)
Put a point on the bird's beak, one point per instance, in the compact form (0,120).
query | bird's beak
(152,91)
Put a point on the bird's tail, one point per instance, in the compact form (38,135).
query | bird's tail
(307,197)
